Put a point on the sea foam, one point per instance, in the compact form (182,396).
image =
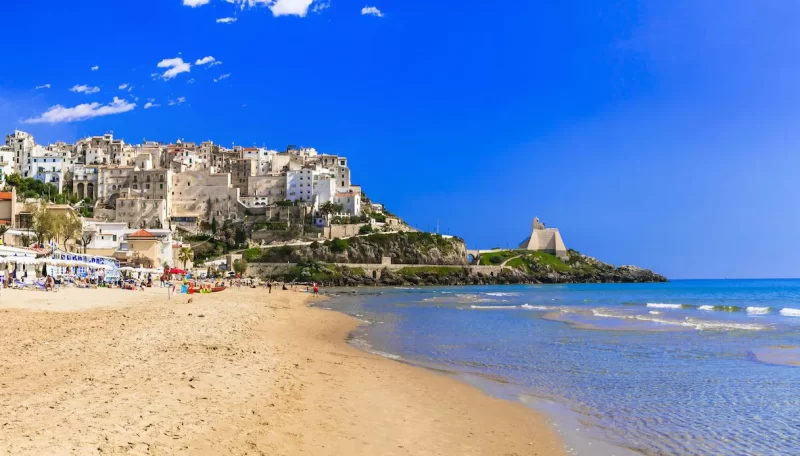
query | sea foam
(706,308)
(493,307)
(789,312)
(659,305)
(530,307)
(502,294)
(757,310)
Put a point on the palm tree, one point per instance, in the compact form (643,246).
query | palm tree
(185,255)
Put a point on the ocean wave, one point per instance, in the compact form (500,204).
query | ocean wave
(530,307)
(721,308)
(789,312)
(758,310)
(407,288)
(493,307)
(659,305)
(499,294)
(700,325)
(655,312)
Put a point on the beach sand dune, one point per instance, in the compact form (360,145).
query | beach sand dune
(238,372)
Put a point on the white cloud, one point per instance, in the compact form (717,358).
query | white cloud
(226,20)
(123,86)
(59,114)
(180,100)
(205,60)
(290,7)
(190,81)
(174,67)
(150,104)
(84,89)
(130,88)
(321,5)
(195,3)
(278,7)
(224,76)
(45,86)
(95,68)
(371,10)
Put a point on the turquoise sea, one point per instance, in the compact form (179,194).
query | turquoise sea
(692,367)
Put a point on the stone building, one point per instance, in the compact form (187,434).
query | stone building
(545,239)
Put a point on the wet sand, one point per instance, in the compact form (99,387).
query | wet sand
(237,372)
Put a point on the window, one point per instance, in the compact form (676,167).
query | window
(114,237)
(147,186)
(161,186)
(136,187)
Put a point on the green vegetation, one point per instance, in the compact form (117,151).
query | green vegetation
(365,229)
(252,254)
(496,259)
(28,187)
(338,245)
(240,266)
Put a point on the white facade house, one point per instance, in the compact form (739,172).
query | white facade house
(47,168)
(21,144)
(6,163)
(261,157)
(300,184)
(351,202)
(106,235)
(325,190)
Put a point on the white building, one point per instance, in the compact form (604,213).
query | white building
(300,184)
(105,235)
(261,157)
(6,163)
(47,167)
(21,144)
(351,202)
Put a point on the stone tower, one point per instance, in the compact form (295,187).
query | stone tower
(545,240)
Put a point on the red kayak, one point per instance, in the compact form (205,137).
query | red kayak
(217,289)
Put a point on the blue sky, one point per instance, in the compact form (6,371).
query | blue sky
(662,134)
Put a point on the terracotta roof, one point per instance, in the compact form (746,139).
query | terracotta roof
(141,234)
(6,196)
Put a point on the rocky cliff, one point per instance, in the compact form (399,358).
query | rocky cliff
(403,248)
(432,260)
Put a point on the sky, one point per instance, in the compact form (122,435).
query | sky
(661,134)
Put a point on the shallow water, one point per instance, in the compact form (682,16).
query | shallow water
(688,367)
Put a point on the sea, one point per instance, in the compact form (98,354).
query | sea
(688,367)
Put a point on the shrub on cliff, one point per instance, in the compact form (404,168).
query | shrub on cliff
(338,245)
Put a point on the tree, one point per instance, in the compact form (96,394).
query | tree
(338,245)
(42,222)
(86,238)
(240,266)
(69,227)
(240,236)
(365,229)
(185,255)
(3,230)
(25,240)
(214,225)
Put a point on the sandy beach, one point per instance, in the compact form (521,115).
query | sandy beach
(239,372)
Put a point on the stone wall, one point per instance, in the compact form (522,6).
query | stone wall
(262,270)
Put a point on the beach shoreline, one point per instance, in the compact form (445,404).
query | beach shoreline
(241,371)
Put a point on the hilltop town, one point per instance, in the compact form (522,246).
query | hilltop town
(178,194)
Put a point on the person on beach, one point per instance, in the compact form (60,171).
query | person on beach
(49,283)
(316,289)
(269,286)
